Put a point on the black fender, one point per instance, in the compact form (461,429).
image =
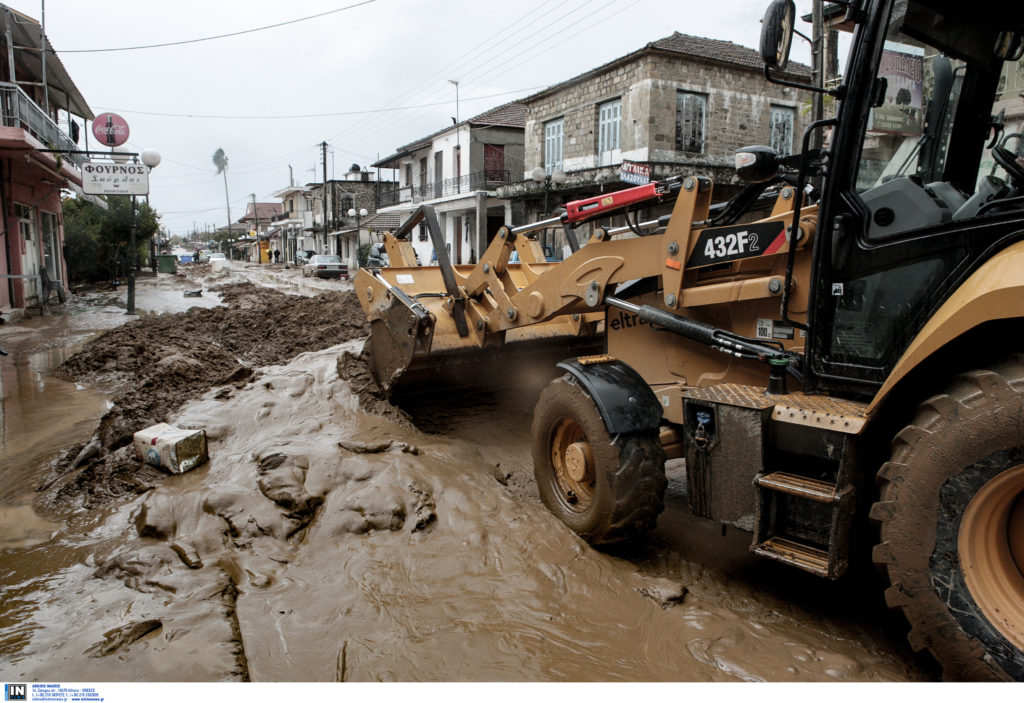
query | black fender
(623,398)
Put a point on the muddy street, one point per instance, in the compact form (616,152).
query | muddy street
(335,537)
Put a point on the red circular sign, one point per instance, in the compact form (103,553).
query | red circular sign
(110,129)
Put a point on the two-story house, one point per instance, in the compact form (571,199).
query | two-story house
(37,160)
(296,221)
(457,171)
(680,105)
(260,219)
(346,200)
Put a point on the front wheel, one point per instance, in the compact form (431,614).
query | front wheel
(606,489)
(951,511)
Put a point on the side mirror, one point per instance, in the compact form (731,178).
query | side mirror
(777,34)
(1009,46)
(757,163)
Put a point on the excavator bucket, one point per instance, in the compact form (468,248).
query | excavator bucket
(430,325)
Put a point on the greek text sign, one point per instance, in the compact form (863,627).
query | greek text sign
(106,178)
(637,174)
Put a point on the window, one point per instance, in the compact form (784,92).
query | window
(494,162)
(781,135)
(609,125)
(48,224)
(553,132)
(690,111)
(26,221)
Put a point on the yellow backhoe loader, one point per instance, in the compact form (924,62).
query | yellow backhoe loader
(845,377)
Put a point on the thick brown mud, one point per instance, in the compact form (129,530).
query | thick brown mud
(331,539)
(164,360)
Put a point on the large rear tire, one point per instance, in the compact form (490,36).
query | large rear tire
(606,489)
(951,510)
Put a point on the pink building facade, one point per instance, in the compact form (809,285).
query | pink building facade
(37,162)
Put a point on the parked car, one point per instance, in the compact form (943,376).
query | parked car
(325,266)
(302,257)
(217,256)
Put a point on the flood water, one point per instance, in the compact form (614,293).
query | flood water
(41,414)
(320,543)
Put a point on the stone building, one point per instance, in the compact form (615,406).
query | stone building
(680,105)
(356,191)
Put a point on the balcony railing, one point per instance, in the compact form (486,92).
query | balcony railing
(480,180)
(19,110)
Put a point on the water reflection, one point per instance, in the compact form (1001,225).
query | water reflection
(41,414)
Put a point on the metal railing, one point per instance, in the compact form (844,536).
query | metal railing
(19,110)
(479,180)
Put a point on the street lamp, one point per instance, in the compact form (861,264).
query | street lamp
(540,175)
(119,154)
(151,159)
(557,176)
(359,215)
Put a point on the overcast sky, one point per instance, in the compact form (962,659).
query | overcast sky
(366,80)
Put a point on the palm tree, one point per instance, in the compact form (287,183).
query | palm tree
(220,160)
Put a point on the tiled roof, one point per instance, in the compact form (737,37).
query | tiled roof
(264,211)
(714,49)
(508,115)
(719,50)
(385,221)
(687,45)
(511,115)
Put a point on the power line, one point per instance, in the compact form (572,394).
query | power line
(554,20)
(320,114)
(218,36)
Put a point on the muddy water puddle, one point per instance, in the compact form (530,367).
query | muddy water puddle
(324,544)
(40,414)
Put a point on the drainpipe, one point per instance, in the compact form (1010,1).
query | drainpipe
(10,48)
(42,41)
(7,231)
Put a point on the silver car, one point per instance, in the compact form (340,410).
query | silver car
(325,266)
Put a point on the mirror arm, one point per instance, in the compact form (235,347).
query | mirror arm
(838,92)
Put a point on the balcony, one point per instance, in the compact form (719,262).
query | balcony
(19,110)
(480,180)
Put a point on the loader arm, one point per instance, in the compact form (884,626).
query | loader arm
(532,300)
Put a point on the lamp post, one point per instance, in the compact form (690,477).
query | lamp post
(359,215)
(540,175)
(151,159)
(557,176)
(457,165)
(120,155)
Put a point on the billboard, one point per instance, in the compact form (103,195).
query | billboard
(902,110)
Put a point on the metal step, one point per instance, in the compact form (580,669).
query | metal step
(799,486)
(801,556)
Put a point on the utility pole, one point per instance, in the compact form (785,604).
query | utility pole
(323,149)
(457,165)
(256,219)
(817,67)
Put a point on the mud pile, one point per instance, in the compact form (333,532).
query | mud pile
(162,361)
(322,543)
